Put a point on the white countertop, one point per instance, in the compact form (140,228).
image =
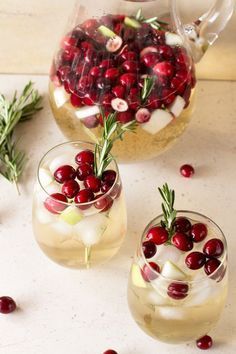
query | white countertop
(85,312)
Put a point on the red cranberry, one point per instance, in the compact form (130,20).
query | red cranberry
(129,55)
(125,117)
(177,291)
(198,232)
(90,24)
(106,63)
(134,103)
(64,173)
(130,66)
(103,203)
(103,84)
(211,265)
(177,85)
(63,72)
(109,176)
(7,304)
(105,187)
(128,79)
(187,170)
(83,171)
(110,351)
(112,73)
(85,156)
(168,96)
(182,224)
(84,83)
(119,91)
(204,342)
(158,235)
(70,188)
(150,59)
(68,42)
(71,53)
(182,242)
(143,115)
(90,98)
(92,182)
(82,69)
(154,102)
(195,260)
(164,68)
(149,249)
(106,99)
(95,71)
(150,274)
(75,100)
(165,51)
(84,196)
(56,203)
(214,248)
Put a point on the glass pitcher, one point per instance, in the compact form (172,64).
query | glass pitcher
(137,59)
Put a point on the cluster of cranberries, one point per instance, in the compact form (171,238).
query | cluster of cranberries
(114,79)
(184,238)
(95,189)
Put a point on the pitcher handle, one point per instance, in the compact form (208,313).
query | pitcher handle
(203,32)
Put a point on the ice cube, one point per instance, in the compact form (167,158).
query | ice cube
(173,39)
(154,298)
(65,159)
(167,253)
(45,177)
(53,187)
(171,312)
(91,228)
(62,228)
(44,216)
(202,292)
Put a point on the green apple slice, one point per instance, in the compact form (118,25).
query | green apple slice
(71,215)
(172,271)
(137,278)
(45,177)
(105,31)
(131,22)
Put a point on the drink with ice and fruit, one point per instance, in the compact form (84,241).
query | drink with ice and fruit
(132,65)
(178,281)
(79,214)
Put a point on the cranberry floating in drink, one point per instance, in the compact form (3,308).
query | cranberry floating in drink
(179,276)
(135,59)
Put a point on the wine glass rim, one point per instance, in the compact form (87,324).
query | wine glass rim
(160,276)
(77,142)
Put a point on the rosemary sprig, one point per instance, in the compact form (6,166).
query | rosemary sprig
(112,131)
(153,21)
(148,85)
(11,113)
(169,213)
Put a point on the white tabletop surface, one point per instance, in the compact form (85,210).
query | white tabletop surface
(66,311)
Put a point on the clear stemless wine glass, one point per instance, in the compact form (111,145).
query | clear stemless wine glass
(171,302)
(75,225)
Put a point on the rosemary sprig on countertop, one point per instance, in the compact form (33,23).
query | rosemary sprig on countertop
(169,213)
(11,113)
(153,21)
(112,131)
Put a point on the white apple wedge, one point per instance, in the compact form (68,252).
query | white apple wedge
(60,96)
(177,106)
(172,271)
(173,39)
(159,120)
(45,177)
(87,111)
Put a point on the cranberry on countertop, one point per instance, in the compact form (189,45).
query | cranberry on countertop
(7,304)
(204,342)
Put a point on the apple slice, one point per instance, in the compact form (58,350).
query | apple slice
(136,276)
(131,22)
(172,271)
(87,111)
(71,215)
(173,39)
(107,32)
(177,106)
(159,120)
(60,96)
